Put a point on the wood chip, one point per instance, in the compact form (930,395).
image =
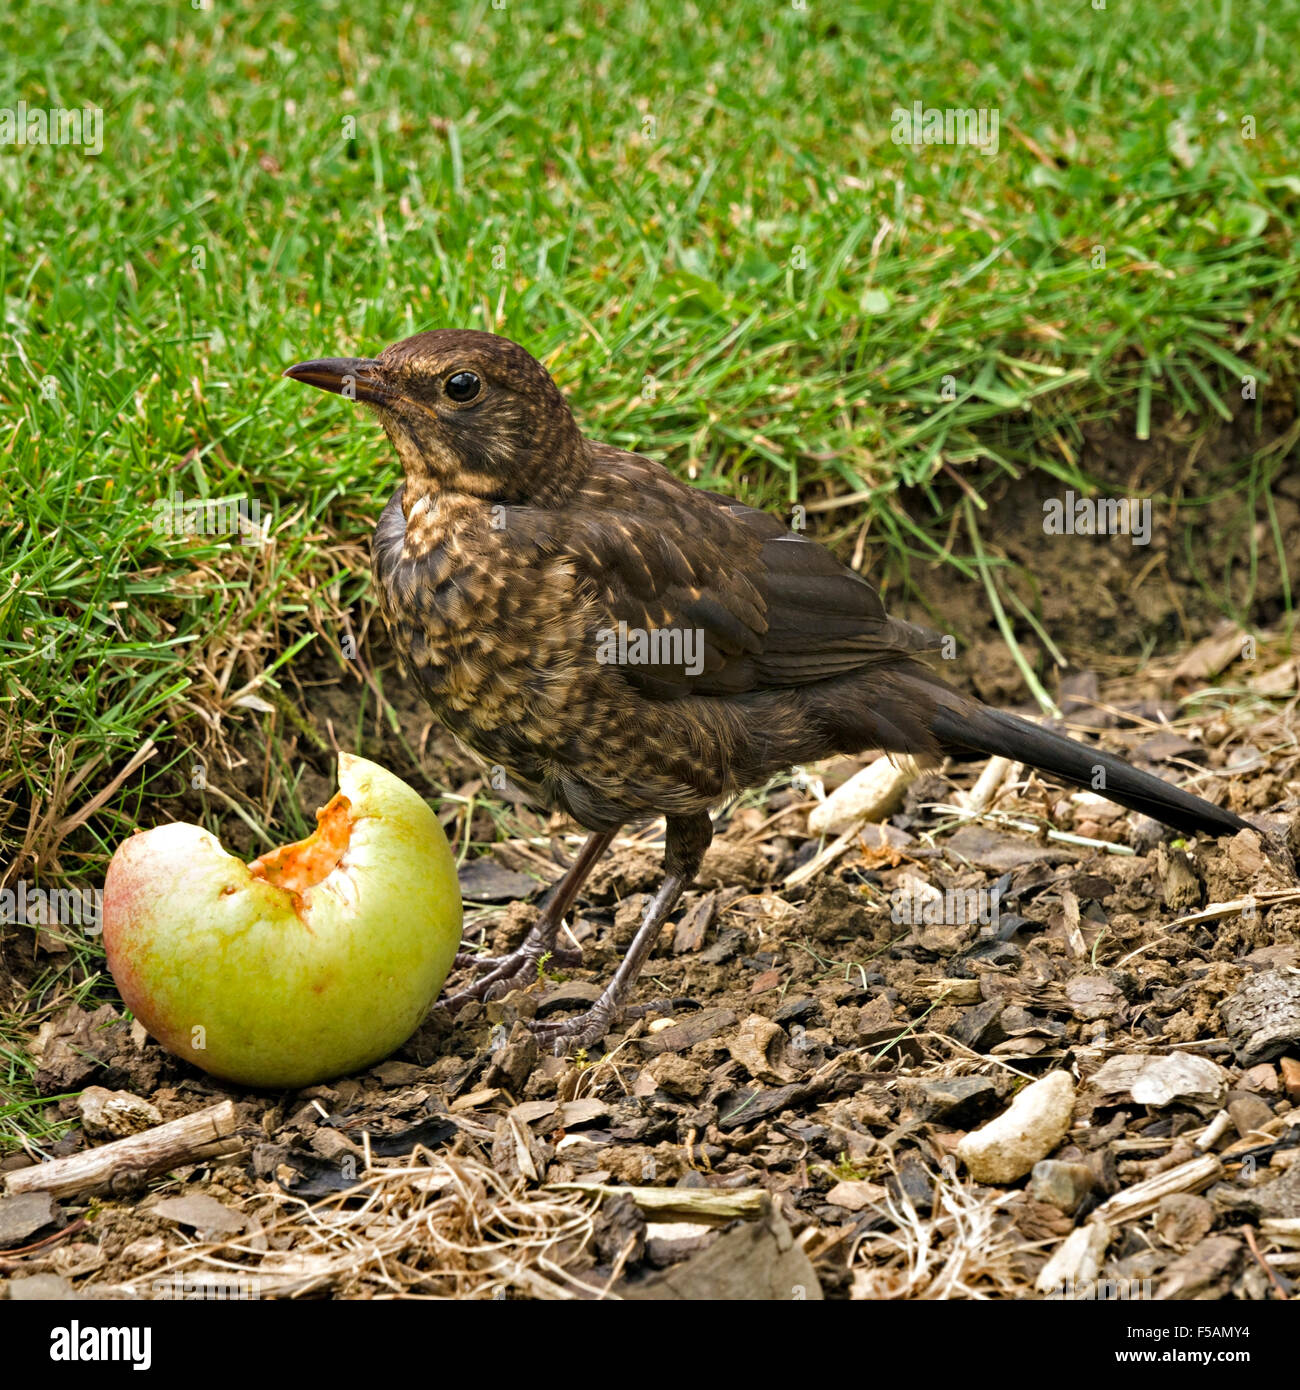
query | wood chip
(1144,1197)
(705,1024)
(688,935)
(1077,1260)
(477,1099)
(566,1114)
(710,1205)
(856,1195)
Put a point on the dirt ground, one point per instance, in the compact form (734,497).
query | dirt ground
(792,1120)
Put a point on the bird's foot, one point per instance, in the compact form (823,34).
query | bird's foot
(612,1005)
(580,1031)
(498,975)
(589,1027)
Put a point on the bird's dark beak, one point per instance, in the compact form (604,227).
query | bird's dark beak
(357,378)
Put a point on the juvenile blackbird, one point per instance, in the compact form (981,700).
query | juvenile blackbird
(625,646)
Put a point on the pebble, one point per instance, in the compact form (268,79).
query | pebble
(1028,1130)
(1248,1111)
(115,1114)
(1183,1219)
(1062,1185)
(1290,1067)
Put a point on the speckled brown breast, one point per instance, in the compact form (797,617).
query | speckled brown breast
(500,634)
(495,644)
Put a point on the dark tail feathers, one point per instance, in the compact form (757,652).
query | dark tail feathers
(977,728)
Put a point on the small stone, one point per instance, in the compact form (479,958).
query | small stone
(1183,1219)
(953,1099)
(1261,1078)
(1290,1068)
(109,1114)
(914,1184)
(1062,1185)
(1029,1129)
(678,1075)
(23,1214)
(1248,1111)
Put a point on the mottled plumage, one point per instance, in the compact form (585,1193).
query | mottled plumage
(514,550)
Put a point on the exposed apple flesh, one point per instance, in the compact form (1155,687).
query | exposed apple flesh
(315,960)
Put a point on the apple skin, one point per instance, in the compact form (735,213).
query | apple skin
(285,986)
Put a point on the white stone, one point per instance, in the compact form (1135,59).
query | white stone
(1029,1129)
(871,794)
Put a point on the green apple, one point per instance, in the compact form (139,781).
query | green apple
(314,960)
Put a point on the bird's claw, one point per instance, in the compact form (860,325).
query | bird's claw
(581,1031)
(586,1028)
(499,974)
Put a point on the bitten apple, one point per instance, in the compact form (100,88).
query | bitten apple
(314,960)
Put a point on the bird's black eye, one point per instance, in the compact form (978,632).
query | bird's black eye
(463,386)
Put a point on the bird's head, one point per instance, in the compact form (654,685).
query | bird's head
(467,412)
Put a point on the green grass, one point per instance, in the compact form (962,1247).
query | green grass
(695,214)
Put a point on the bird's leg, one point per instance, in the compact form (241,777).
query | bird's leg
(687,839)
(499,972)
